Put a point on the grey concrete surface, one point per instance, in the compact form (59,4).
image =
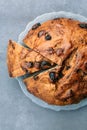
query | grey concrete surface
(17,112)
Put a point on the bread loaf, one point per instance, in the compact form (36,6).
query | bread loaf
(63,41)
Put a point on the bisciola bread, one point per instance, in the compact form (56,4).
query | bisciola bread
(23,60)
(63,41)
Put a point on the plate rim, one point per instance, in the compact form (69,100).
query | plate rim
(21,84)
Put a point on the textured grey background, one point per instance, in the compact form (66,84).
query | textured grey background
(17,112)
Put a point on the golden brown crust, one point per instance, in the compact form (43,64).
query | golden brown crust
(21,60)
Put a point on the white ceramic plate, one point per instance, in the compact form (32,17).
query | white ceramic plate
(41,19)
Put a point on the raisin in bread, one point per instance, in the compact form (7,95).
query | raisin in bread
(21,60)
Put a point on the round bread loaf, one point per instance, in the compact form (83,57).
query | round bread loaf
(63,41)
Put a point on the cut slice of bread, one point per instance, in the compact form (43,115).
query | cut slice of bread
(21,60)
